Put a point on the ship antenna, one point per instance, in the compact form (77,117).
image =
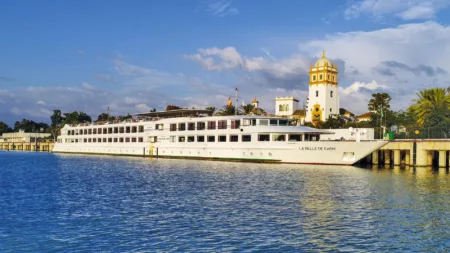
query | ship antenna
(235,107)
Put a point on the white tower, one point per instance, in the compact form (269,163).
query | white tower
(255,103)
(323,99)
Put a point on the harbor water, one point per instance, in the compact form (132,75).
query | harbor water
(76,203)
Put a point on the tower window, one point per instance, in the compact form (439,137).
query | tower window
(329,77)
(334,78)
(330,109)
(317,93)
(320,77)
(314,77)
(331,93)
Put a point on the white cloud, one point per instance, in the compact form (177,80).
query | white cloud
(79,51)
(220,8)
(40,102)
(87,86)
(407,10)
(357,86)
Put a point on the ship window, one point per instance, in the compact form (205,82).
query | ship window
(181,126)
(99,131)
(127,139)
(85,131)
(134,129)
(191,138)
(235,124)
(173,138)
(89,140)
(133,139)
(121,130)
(330,109)
(278,137)
(153,139)
(273,122)
(191,126)
(141,139)
(253,122)
(99,140)
(141,129)
(95,131)
(81,132)
(317,93)
(128,130)
(200,125)
(222,138)
(110,130)
(282,122)
(109,139)
(200,138)
(115,139)
(222,124)
(104,139)
(159,126)
(116,130)
(246,138)
(247,122)
(93,140)
(173,127)
(76,140)
(234,138)
(295,137)
(263,137)
(181,139)
(121,139)
(263,122)
(211,138)
(85,140)
(89,131)
(211,125)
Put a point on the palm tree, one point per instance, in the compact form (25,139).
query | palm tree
(428,101)
(212,109)
(247,109)
(227,110)
(378,99)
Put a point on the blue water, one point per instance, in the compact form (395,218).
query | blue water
(74,203)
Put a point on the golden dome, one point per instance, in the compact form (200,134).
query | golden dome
(255,101)
(323,61)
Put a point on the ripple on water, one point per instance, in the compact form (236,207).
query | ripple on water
(73,203)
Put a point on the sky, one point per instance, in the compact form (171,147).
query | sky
(132,56)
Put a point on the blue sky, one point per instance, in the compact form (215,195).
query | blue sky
(135,55)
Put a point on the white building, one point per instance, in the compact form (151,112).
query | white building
(21,136)
(286,106)
(323,99)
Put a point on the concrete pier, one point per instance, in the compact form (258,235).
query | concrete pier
(397,157)
(375,157)
(415,153)
(27,146)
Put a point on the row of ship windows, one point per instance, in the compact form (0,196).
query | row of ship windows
(242,138)
(100,140)
(222,124)
(107,130)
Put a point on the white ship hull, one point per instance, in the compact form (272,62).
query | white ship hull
(322,152)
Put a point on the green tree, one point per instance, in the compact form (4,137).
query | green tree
(4,128)
(57,120)
(212,109)
(334,121)
(247,109)
(76,118)
(227,110)
(122,118)
(103,116)
(378,100)
(428,101)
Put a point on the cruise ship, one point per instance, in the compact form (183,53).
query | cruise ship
(195,134)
